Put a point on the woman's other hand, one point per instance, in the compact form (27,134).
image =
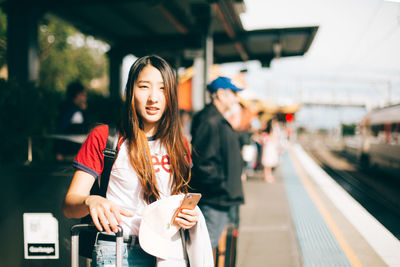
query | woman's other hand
(105,214)
(78,203)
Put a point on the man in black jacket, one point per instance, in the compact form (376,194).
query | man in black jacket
(217,161)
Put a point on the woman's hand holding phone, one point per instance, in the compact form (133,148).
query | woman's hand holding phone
(186,216)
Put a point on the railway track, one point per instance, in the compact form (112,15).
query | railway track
(381,200)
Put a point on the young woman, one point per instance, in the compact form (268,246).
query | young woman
(270,150)
(152,162)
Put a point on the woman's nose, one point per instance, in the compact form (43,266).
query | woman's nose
(153,96)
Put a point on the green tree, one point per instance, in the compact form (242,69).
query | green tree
(62,60)
(30,110)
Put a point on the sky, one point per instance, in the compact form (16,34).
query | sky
(355,54)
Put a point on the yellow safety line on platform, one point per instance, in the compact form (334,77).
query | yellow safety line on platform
(325,214)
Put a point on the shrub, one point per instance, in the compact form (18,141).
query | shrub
(26,111)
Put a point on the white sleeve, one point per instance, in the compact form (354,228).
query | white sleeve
(77,118)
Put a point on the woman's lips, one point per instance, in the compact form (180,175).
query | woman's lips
(152,110)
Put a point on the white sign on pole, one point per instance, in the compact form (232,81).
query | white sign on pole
(40,236)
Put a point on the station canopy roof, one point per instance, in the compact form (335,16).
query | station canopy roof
(175,27)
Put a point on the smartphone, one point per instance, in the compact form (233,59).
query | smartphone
(189,202)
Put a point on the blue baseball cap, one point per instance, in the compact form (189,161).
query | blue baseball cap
(222,83)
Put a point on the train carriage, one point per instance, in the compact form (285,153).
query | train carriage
(379,138)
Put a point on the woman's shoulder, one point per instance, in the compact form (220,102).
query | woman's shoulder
(91,153)
(100,131)
(99,135)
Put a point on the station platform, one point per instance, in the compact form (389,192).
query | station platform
(305,218)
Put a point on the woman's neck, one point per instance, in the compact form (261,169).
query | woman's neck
(150,130)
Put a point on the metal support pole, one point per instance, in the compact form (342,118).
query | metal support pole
(22,43)
(208,61)
(115,57)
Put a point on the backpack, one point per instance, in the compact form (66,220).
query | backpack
(88,238)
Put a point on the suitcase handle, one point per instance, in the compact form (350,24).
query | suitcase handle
(78,228)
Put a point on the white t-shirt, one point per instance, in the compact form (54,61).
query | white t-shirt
(125,189)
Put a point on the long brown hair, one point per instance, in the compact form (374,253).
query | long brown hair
(169,132)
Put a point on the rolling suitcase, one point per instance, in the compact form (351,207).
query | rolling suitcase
(79,228)
(226,251)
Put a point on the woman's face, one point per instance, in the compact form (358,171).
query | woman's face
(149,98)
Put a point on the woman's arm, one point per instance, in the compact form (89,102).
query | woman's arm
(78,203)
(74,203)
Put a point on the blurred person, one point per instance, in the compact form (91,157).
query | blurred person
(152,163)
(249,154)
(71,119)
(217,161)
(234,116)
(186,122)
(72,112)
(281,131)
(256,126)
(270,150)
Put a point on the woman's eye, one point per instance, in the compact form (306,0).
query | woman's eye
(143,86)
(162,88)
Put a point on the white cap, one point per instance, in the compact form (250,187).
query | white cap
(156,233)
